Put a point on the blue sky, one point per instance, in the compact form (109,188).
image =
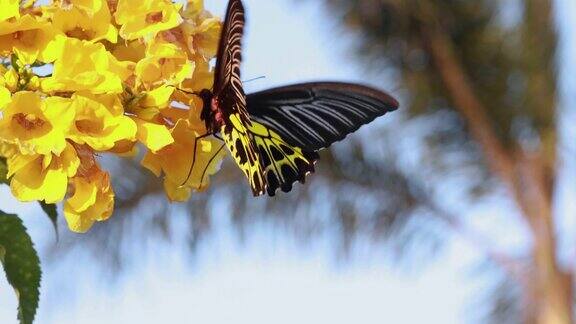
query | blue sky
(268,279)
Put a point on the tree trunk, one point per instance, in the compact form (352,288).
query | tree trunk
(528,175)
(554,292)
(551,287)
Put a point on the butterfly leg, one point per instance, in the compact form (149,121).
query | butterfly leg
(210,162)
(194,157)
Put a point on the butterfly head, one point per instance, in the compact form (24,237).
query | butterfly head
(206,95)
(211,113)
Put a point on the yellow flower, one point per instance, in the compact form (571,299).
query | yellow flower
(132,51)
(87,66)
(92,200)
(10,8)
(5,95)
(146,110)
(7,150)
(19,77)
(36,125)
(175,161)
(125,148)
(146,18)
(200,29)
(173,114)
(154,136)
(193,8)
(203,78)
(27,37)
(83,21)
(176,192)
(149,104)
(100,122)
(104,94)
(165,63)
(42,177)
(157,98)
(11,79)
(90,6)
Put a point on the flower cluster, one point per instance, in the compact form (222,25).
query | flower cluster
(84,78)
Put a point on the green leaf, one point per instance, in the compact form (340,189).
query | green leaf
(3,171)
(21,264)
(52,212)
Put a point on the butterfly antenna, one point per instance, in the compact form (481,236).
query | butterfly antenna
(254,79)
(188,92)
(193,158)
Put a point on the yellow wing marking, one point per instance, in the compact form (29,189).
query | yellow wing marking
(244,153)
(283,164)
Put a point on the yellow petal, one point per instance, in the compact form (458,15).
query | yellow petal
(176,192)
(26,36)
(42,177)
(146,18)
(5,97)
(84,66)
(154,136)
(33,183)
(84,21)
(153,163)
(100,122)
(188,162)
(159,97)
(93,200)
(10,8)
(17,162)
(36,125)
(76,221)
(84,195)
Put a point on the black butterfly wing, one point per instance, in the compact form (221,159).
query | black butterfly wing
(229,57)
(312,116)
(231,100)
(283,163)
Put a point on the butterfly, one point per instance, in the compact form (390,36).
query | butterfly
(274,136)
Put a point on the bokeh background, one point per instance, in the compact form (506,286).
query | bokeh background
(458,208)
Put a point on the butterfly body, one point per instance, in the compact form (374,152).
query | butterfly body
(211,113)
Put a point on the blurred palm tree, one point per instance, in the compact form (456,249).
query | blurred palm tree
(480,119)
(493,82)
